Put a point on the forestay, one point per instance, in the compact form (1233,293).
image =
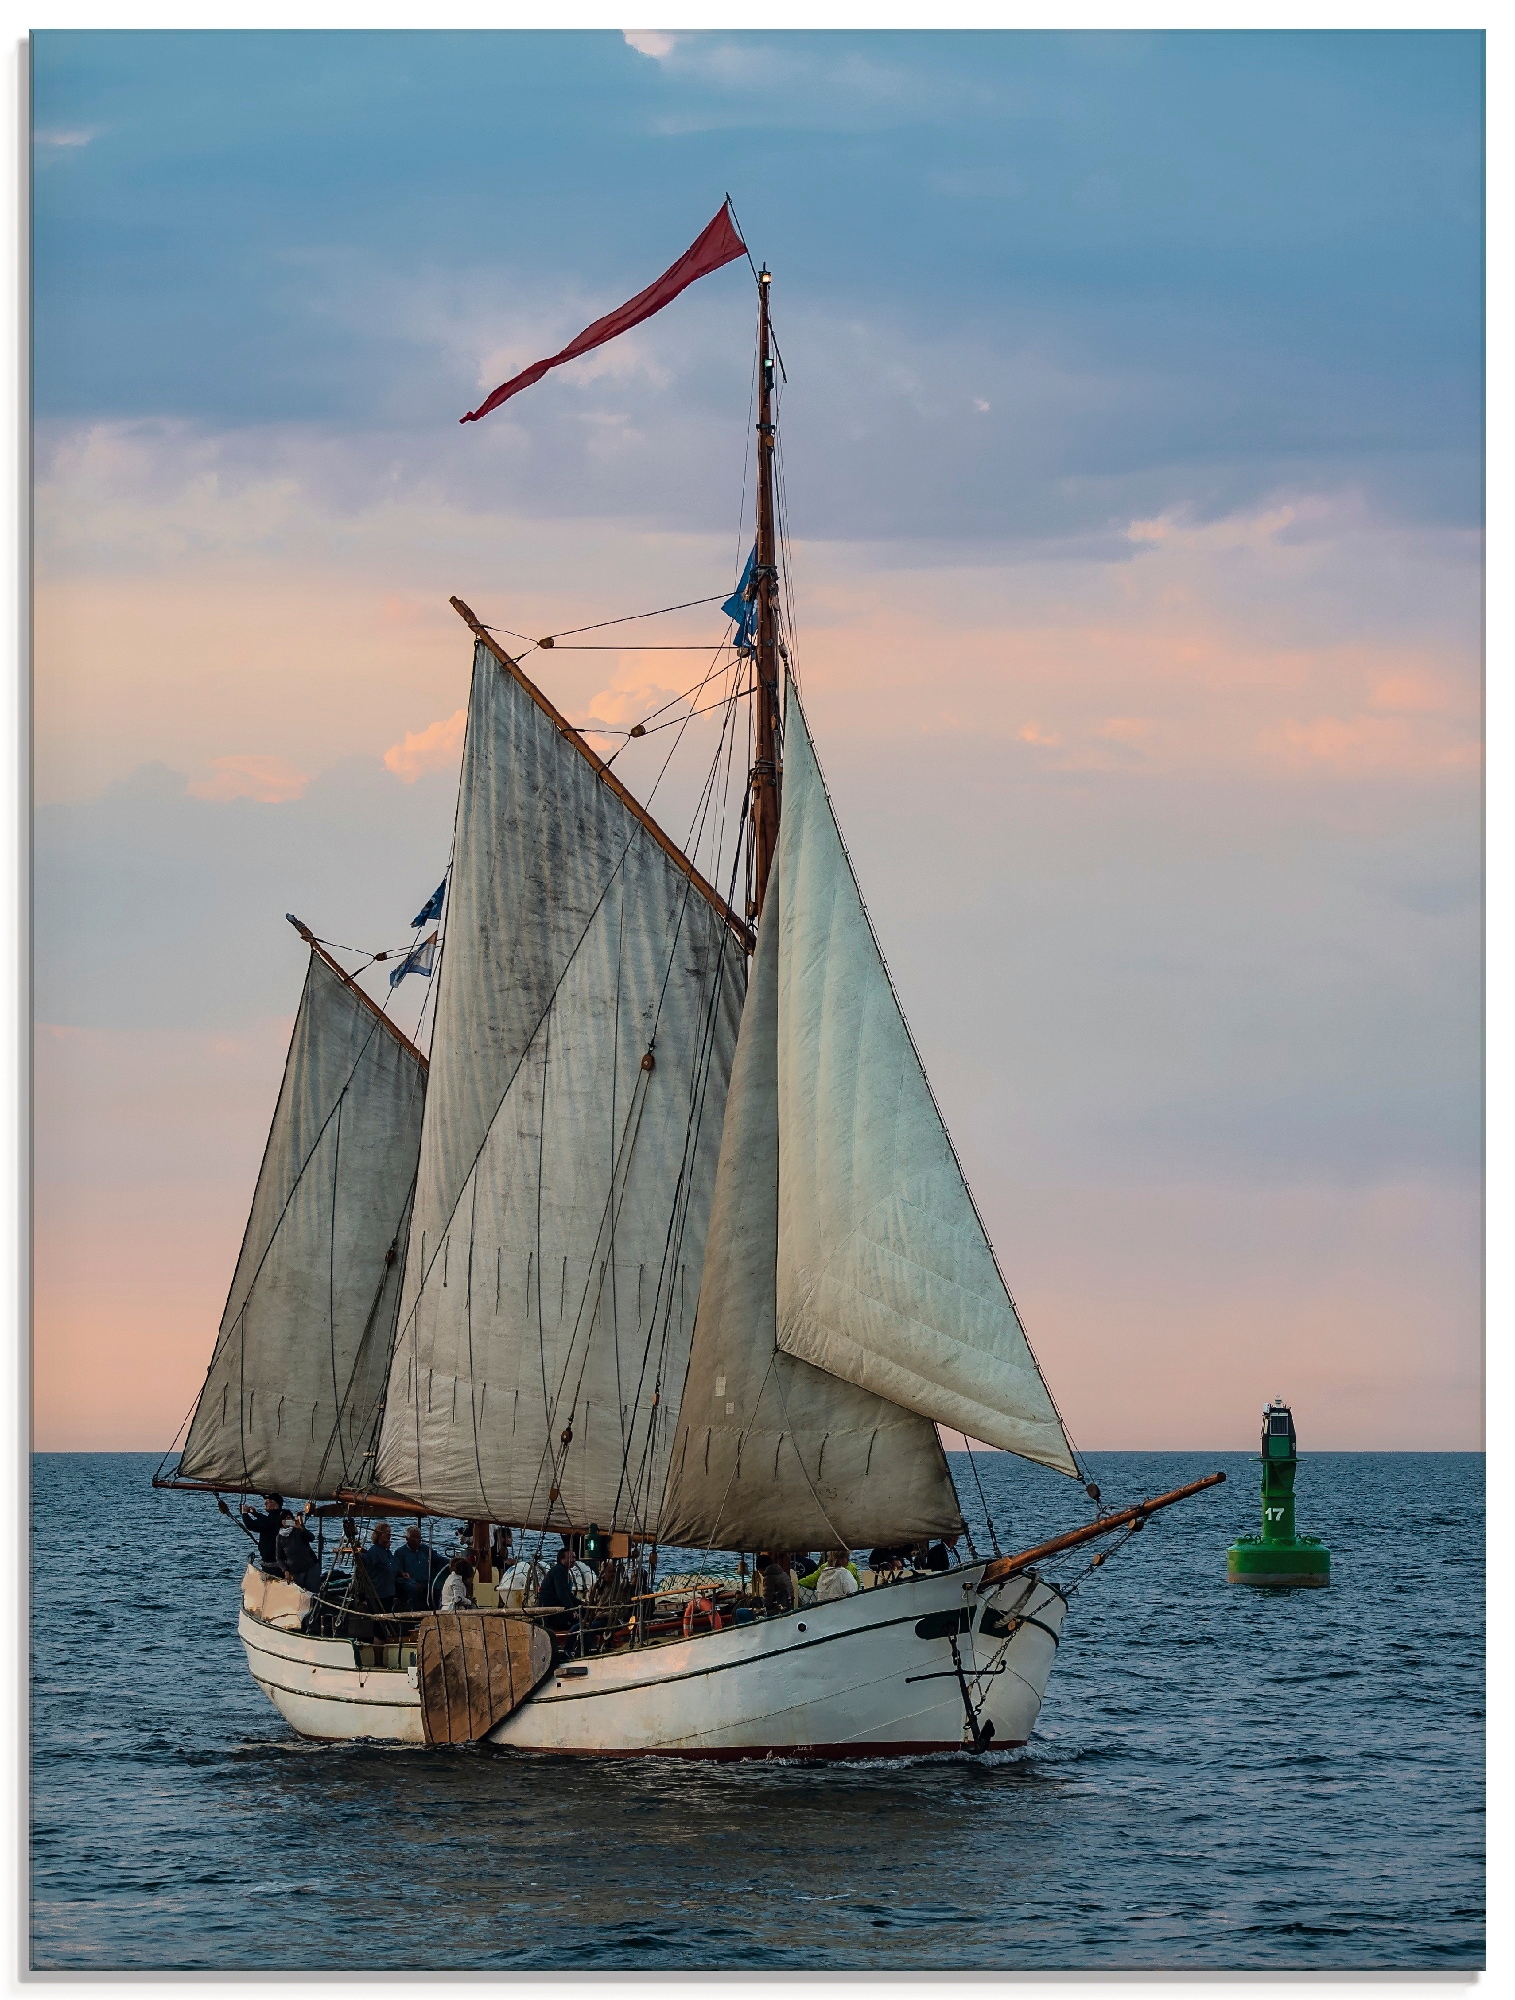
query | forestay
(587,1012)
(307,1327)
(770,1451)
(885,1274)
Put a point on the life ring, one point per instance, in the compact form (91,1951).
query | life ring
(703,1607)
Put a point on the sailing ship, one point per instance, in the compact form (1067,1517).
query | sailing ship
(661,1246)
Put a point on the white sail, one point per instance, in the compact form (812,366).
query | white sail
(588,1006)
(308,1323)
(771,1452)
(885,1274)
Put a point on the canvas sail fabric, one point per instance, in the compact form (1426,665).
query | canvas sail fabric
(771,1452)
(564,1186)
(885,1274)
(310,1316)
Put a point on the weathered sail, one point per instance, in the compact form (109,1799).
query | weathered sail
(308,1323)
(770,1452)
(588,1005)
(885,1274)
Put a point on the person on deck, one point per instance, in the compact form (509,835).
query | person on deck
(263,1528)
(942,1555)
(297,1553)
(516,1582)
(560,1598)
(778,1587)
(415,1568)
(813,1580)
(837,1579)
(456,1593)
(379,1562)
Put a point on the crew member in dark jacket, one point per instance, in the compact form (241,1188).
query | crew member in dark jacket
(380,1565)
(297,1554)
(263,1528)
(556,1591)
(778,1586)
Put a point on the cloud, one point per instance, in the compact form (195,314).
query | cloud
(65,138)
(435,748)
(1370,745)
(272,781)
(652,42)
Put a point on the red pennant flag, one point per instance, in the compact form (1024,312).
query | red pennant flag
(714,246)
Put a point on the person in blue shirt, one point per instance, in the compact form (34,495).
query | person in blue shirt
(379,1562)
(416,1568)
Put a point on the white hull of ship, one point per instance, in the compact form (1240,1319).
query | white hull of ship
(847,1679)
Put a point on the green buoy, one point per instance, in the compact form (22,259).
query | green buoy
(1278,1556)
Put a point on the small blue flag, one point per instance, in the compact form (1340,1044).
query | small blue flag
(433,908)
(742,608)
(421,958)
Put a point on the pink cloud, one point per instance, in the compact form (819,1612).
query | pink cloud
(1416,692)
(431,749)
(273,781)
(1368,745)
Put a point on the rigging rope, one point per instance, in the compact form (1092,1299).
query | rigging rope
(988,1517)
(632,617)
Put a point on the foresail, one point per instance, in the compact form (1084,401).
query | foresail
(885,1275)
(770,1452)
(307,1327)
(587,1010)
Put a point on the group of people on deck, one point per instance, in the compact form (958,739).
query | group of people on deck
(794,1582)
(413,1577)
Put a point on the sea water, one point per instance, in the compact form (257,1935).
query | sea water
(1221,1777)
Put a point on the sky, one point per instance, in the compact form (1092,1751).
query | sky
(1132,444)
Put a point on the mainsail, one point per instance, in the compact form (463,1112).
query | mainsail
(292,1394)
(589,999)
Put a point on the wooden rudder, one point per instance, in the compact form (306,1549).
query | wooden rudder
(475,1667)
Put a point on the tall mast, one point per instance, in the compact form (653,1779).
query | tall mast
(766,769)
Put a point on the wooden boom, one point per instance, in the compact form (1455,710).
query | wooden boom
(1004,1566)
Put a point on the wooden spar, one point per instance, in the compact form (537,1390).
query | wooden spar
(638,812)
(218,1487)
(351,1501)
(347,980)
(1004,1566)
(765,767)
(345,1503)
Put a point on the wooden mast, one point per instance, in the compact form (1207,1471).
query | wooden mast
(766,768)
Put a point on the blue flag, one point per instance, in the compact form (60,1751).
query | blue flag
(421,958)
(743,609)
(433,908)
